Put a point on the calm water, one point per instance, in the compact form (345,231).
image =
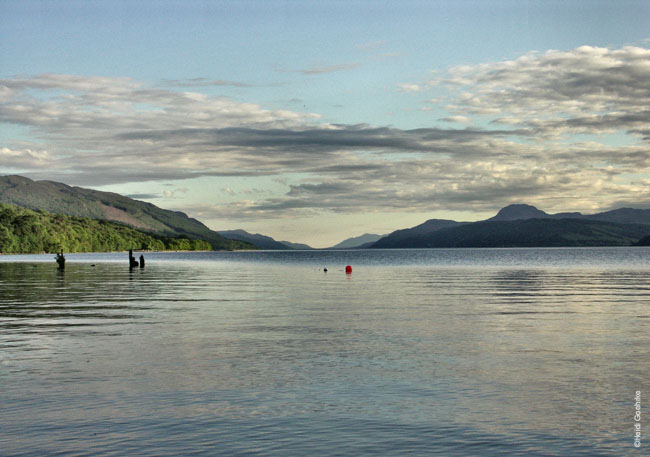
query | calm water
(424,352)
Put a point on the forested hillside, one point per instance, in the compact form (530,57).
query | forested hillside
(23,231)
(60,198)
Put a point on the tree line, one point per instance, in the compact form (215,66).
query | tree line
(23,231)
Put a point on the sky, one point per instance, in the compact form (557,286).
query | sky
(316,121)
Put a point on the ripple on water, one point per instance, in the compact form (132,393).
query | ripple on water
(452,352)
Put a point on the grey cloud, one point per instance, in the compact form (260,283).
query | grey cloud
(617,121)
(325,139)
(71,82)
(447,186)
(325,188)
(644,133)
(103,131)
(418,186)
(640,202)
(587,88)
(346,168)
(204,82)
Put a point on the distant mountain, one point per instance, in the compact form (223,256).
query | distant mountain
(622,215)
(530,233)
(525,225)
(297,246)
(261,241)
(357,241)
(517,212)
(60,198)
(413,237)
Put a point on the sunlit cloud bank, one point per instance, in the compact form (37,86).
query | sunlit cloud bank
(586,90)
(566,130)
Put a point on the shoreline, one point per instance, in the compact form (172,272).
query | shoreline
(120,252)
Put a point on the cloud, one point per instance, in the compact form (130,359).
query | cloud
(458,119)
(306,142)
(24,158)
(72,82)
(204,82)
(98,130)
(72,104)
(584,90)
(408,87)
(555,179)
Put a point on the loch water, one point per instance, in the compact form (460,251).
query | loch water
(459,352)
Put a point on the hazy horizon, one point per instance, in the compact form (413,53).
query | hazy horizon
(315,122)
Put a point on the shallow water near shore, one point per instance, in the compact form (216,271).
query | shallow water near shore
(418,352)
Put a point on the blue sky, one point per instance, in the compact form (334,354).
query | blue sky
(317,121)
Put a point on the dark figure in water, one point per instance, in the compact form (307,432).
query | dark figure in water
(141,261)
(132,261)
(60,260)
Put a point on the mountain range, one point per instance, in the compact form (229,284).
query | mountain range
(59,198)
(525,225)
(266,242)
(514,225)
(622,215)
(358,242)
(261,241)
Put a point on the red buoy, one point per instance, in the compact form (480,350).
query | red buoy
(348,269)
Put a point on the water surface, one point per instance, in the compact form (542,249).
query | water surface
(417,352)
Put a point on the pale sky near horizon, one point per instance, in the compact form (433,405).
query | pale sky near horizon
(315,121)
